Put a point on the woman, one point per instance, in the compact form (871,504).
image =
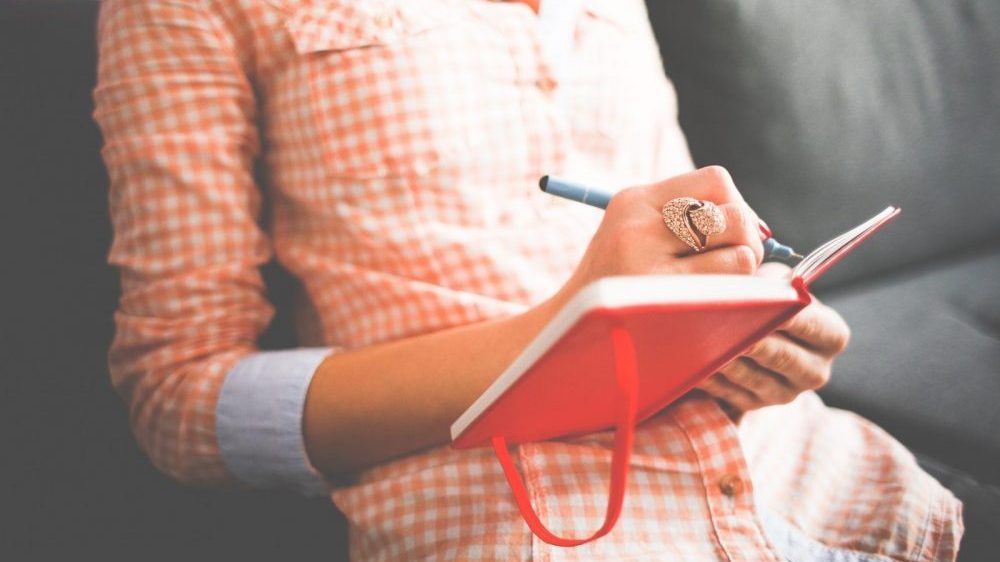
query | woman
(401,141)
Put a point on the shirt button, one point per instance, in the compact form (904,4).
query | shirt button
(730,485)
(546,84)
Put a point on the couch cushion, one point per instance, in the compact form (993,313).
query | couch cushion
(827,111)
(980,510)
(923,360)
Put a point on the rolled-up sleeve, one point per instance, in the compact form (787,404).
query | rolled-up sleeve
(177,111)
(259,420)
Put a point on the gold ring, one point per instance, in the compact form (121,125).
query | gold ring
(693,220)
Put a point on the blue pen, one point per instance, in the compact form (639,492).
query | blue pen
(600,198)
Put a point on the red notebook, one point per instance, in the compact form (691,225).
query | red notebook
(622,349)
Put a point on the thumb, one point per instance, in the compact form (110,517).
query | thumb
(730,259)
(773,269)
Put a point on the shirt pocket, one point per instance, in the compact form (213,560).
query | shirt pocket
(380,75)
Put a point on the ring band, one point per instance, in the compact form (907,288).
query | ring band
(693,221)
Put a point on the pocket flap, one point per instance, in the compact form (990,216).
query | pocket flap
(340,24)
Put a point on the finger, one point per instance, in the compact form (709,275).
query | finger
(819,327)
(768,386)
(721,389)
(711,183)
(741,229)
(731,260)
(801,367)
(774,270)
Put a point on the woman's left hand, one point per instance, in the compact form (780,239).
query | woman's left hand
(796,358)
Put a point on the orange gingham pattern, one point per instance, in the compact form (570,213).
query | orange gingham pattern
(402,140)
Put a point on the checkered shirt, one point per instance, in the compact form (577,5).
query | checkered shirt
(401,142)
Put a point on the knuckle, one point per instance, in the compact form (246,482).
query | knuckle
(759,382)
(733,398)
(747,402)
(721,182)
(758,348)
(625,199)
(718,174)
(782,358)
(744,260)
(723,392)
(843,336)
(744,223)
(617,203)
(741,217)
(785,396)
(809,328)
(822,376)
(711,386)
(749,377)
(632,192)
(814,378)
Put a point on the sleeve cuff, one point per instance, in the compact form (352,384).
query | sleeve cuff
(258,420)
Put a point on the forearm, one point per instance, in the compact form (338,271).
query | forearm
(369,405)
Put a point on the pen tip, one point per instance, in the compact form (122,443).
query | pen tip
(543,182)
(798,256)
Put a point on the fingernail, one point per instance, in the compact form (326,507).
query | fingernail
(764,229)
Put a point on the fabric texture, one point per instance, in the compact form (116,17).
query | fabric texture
(980,509)
(939,341)
(258,420)
(403,141)
(260,405)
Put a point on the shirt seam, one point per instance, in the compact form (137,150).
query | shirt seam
(707,491)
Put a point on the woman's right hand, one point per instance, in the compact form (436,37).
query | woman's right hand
(371,404)
(633,240)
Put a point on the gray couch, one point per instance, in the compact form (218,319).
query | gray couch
(825,111)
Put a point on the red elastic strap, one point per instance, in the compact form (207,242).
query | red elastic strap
(628,383)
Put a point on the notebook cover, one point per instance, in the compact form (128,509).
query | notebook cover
(571,390)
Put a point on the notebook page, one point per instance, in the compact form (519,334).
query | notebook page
(818,257)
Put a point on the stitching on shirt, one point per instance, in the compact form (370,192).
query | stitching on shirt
(924,531)
(701,470)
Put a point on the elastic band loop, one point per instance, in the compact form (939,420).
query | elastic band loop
(628,383)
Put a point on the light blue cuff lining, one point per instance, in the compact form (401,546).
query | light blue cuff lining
(795,546)
(258,420)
